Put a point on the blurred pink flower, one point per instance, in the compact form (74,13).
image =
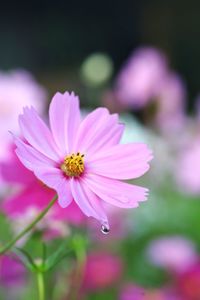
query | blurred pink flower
(82,160)
(102,270)
(174,253)
(141,77)
(189,283)
(17,89)
(171,101)
(146,83)
(12,272)
(133,292)
(188,167)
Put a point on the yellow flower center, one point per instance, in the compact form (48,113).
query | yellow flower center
(73,164)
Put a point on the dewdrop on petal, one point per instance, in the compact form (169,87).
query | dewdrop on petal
(105,228)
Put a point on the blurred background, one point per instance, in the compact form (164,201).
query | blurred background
(52,40)
(139,59)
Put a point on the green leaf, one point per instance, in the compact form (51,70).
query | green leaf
(63,251)
(25,258)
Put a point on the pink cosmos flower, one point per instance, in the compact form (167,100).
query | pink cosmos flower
(174,253)
(82,160)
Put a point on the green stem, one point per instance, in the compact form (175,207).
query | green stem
(41,288)
(29,227)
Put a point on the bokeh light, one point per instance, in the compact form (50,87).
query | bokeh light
(96,69)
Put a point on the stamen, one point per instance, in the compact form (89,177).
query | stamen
(73,165)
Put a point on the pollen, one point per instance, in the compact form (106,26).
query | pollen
(73,165)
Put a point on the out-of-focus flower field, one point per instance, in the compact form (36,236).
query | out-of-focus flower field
(151,252)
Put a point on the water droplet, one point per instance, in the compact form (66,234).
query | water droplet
(105,228)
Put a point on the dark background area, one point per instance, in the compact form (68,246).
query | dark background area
(56,36)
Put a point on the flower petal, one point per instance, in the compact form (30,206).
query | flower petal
(97,131)
(54,179)
(38,134)
(64,116)
(109,135)
(115,192)
(87,201)
(88,127)
(96,203)
(30,157)
(121,161)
